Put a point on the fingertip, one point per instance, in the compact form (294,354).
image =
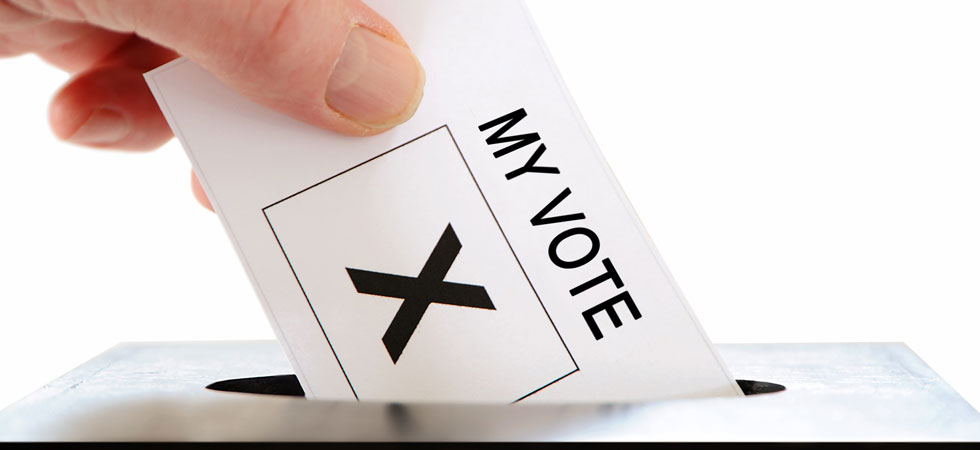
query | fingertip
(108,107)
(199,193)
(377,82)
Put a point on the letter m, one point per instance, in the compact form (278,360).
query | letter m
(506,122)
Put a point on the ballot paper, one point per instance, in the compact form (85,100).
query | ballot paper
(481,252)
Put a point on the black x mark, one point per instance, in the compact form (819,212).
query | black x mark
(419,292)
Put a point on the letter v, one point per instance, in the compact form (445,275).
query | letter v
(540,219)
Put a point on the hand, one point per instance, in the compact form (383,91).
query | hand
(333,63)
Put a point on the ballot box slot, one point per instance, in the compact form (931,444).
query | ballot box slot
(269,385)
(288,385)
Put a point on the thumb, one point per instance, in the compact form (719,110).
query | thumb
(332,63)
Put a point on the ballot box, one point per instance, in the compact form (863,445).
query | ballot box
(158,391)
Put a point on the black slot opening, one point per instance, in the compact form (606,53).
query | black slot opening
(289,385)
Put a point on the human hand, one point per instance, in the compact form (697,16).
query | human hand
(333,63)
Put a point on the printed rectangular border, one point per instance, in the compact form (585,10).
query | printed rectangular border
(489,208)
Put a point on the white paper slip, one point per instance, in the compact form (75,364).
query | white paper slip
(480,252)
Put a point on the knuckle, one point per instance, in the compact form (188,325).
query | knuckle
(272,30)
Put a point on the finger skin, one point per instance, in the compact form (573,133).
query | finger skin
(115,83)
(116,88)
(86,43)
(13,18)
(198,192)
(279,53)
(72,46)
(85,51)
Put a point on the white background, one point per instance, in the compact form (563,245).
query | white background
(809,170)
